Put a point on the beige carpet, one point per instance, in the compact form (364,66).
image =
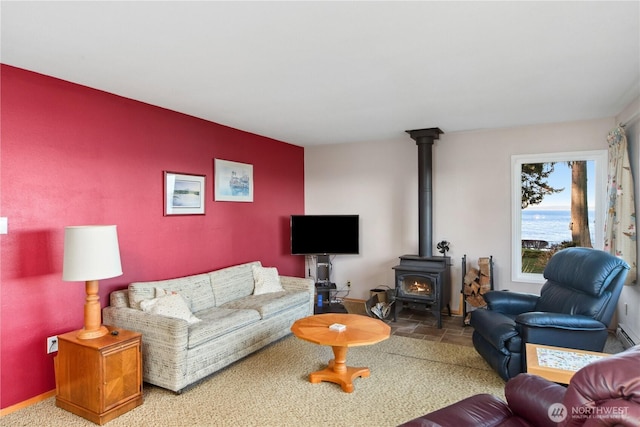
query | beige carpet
(409,377)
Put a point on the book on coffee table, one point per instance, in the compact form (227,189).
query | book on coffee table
(337,327)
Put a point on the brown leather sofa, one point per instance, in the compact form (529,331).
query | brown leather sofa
(603,393)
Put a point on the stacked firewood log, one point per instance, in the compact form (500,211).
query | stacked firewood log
(477,282)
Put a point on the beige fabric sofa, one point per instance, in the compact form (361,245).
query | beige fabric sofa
(230,320)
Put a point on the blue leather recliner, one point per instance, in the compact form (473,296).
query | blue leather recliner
(573,310)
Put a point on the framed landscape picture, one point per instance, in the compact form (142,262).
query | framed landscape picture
(183,194)
(233,181)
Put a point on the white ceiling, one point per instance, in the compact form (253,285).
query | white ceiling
(312,73)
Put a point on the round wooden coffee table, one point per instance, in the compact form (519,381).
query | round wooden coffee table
(360,330)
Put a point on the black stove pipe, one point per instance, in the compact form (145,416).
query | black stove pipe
(424,140)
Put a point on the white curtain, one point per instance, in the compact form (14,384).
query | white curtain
(620,223)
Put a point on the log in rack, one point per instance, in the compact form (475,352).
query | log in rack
(465,304)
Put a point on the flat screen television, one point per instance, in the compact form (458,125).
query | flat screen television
(325,234)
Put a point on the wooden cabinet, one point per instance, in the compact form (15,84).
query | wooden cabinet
(99,379)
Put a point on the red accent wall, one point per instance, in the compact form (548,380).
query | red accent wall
(71,155)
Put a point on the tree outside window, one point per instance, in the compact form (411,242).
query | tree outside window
(559,204)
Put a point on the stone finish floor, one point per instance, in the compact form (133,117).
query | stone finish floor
(423,325)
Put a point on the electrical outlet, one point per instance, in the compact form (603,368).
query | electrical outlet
(52,344)
(348,283)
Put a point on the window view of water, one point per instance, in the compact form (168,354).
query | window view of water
(550,225)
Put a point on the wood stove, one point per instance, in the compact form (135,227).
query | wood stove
(424,280)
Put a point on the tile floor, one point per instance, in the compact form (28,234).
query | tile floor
(423,325)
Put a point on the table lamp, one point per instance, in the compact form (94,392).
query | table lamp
(91,253)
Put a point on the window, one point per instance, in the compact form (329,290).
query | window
(541,219)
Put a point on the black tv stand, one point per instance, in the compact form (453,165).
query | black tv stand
(324,289)
(323,269)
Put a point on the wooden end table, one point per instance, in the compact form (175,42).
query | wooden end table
(360,330)
(101,378)
(558,364)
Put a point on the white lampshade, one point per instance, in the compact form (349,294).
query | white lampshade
(91,252)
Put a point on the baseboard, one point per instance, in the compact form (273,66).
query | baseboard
(13,408)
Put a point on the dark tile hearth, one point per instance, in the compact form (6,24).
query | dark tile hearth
(423,325)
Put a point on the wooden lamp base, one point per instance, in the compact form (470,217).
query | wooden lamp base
(93,327)
(85,334)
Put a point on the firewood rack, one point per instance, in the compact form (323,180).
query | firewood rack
(465,304)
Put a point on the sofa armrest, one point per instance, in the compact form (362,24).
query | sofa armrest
(510,302)
(573,322)
(530,396)
(119,298)
(290,283)
(496,328)
(166,331)
(164,344)
(478,410)
(562,330)
(607,391)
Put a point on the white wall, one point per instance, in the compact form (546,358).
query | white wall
(378,181)
(471,195)
(630,315)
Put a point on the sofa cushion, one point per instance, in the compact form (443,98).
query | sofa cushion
(266,280)
(270,304)
(218,321)
(232,282)
(170,306)
(196,290)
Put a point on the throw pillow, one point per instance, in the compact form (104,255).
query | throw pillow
(266,280)
(172,305)
(161,292)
